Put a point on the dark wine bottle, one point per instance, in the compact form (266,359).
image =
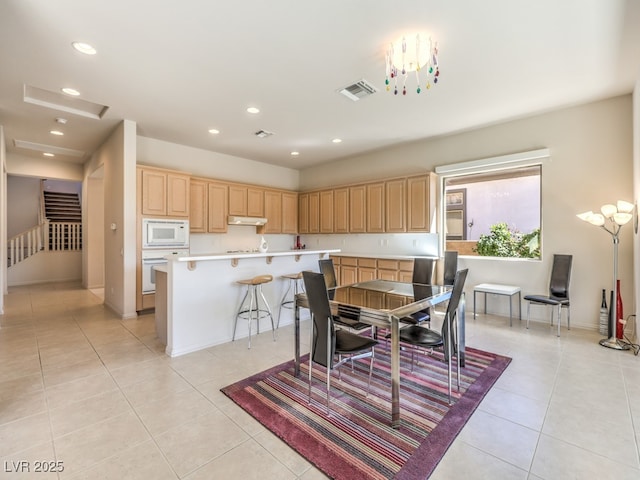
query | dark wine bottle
(604,314)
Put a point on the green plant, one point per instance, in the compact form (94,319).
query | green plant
(504,242)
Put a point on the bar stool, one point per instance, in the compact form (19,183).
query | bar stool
(294,281)
(252,309)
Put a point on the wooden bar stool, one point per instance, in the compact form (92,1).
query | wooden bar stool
(253,309)
(294,282)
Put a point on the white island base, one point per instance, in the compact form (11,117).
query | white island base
(202,297)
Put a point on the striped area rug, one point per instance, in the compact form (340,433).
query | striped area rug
(355,441)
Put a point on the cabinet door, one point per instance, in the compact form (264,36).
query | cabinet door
(154,192)
(357,210)
(326,211)
(289,212)
(199,194)
(273,211)
(375,207)
(420,203)
(348,274)
(395,201)
(178,199)
(217,215)
(238,200)
(255,202)
(365,274)
(314,212)
(341,210)
(303,213)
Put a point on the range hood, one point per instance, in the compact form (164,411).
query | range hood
(255,221)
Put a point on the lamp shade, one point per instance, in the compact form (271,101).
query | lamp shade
(625,207)
(596,219)
(622,218)
(585,216)
(608,210)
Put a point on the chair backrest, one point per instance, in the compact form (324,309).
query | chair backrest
(456,295)
(423,271)
(450,266)
(329,272)
(324,343)
(560,276)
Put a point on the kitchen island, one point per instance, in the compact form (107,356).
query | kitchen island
(202,295)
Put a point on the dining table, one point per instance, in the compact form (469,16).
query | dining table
(382,304)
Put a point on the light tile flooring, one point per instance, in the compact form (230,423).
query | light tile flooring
(81,387)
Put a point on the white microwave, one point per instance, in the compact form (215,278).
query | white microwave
(162,233)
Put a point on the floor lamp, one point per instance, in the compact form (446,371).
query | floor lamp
(616,216)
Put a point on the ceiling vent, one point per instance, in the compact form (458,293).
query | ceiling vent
(263,134)
(358,90)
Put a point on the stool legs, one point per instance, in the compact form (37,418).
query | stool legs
(284,303)
(254,311)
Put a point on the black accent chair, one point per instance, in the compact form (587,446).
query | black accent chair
(326,340)
(450,266)
(558,296)
(422,337)
(347,317)
(422,274)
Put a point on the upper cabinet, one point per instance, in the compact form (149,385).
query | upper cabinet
(199,206)
(273,211)
(396,205)
(217,204)
(246,201)
(164,193)
(289,212)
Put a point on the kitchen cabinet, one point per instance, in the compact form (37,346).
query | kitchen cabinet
(421,202)
(326,211)
(395,206)
(245,200)
(314,212)
(341,210)
(387,269)
(164,193)
(405,271)
(375,208)
(303,213)
(289,212)
(357,209)
(198,208)
(348,270)
(255,202)
(217,206)
(273,211)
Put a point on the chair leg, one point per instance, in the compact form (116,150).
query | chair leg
(310,357)
(450,353)
(559,318)
(235,324)
(370,370)
(329,364)
(528,313)
(266,305)
(282,302)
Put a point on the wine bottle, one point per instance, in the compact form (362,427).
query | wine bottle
(604,314)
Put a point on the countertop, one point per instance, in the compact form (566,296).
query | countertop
(384,256)
(237,255)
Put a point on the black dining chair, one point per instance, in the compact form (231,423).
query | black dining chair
(327,342)
(422,274)
(422,337)
(450,266)
(558,296)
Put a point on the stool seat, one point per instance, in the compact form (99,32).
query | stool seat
(254,305)
(293,276)
(258,280)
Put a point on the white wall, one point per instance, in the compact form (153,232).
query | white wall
(45,267)
(3,217)
(43,168)
(636,192)
(591,164)
(23,203)
(203,163)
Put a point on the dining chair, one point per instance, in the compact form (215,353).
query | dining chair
(450,266)
(558,296)
(327,342)
(422,274)
(422,337)
(347,317)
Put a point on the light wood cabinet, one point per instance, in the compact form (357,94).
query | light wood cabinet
(341,210)
(357,209)
(375,208)
(421,202)
(314,212)
(199,207)
(217,204)
(289,212)
(255,202)
(273,211)
(395,206)
(246,201)
(348,270)
(164,193)
(326,211)
(303,213)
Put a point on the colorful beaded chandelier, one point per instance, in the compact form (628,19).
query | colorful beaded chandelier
(403,58)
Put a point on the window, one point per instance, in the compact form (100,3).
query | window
(493,209)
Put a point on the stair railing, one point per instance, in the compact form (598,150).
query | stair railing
(65,236)
(27,243)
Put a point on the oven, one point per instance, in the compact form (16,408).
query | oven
(152,258)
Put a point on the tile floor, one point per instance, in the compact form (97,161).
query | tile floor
(81,387)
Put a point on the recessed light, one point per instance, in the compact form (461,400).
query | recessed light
(56,132)
(214,131)
(61,120)
(71,91)
(337,140)
(47,154)
(295,154)
(84,48)
(253,110)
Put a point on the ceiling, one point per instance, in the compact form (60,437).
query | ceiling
(179,69)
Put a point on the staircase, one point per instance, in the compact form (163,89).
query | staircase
(62,207)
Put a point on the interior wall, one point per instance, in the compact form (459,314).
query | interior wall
(203,163)
(23,203)
(3,217)
(591,164)
(43,168)
(636,196)
(94,233)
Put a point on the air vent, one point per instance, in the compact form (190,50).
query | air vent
(263,134)
(358,90)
